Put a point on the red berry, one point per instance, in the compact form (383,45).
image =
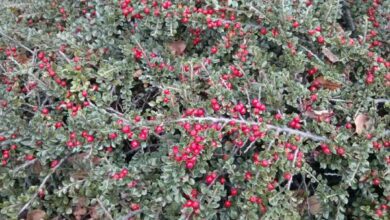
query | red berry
(228,204)
(190,165)
(270,186)
(248,176)
(159,129)
(29,157)
(264,163)
(233,191)
(311,32)
(379,213)
(209,180)
(263,31)
(134,206)
(41,55)
(126,129)
(58,125)
(90,139)
(195,205)
(147,11)
(295,24)
(167,92)
(376,182)
(278,116)
(137,118)
(340,151)
(45,111)
(5,155)
(41,193)
(54,163)
(320,39)
(134,144)
(214,50)
(326,151)
(313,97)
(253,199)
(112,136)
(370,79)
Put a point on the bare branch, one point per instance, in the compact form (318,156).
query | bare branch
(24,166)
(104,209)
(65,57)
(293,164)
(42,185)
(227,120)
(20,44)
(131,214)
(269,126)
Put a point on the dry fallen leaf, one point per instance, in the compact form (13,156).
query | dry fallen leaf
(347,71)
(177,47)
(37,167)
(362,123)
(79,174)
(81,157)
(314,205)
(320,115)
(310,204)
(93,213)
(327,84)
(137,73)
(339,29)
(330,55)
(80,211)
(36,214)
(315,113)
(22,59)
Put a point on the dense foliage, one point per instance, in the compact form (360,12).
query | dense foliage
(198,109)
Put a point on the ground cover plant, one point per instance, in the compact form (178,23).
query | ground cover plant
(197,109)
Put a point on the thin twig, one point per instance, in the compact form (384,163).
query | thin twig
(65,57)
(104,209)
(293,164)
(311,175)
(365,29)
(28,163)
(318,59)
(227,120)
(261,14)
(376,101)
(354,173)
(381,101)
(332,174)
(22,45)
(131,214)
(270,144)
(269,126)
(249,147)
(29,73)
(42,185)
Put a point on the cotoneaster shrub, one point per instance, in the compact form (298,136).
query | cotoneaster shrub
(201,109)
